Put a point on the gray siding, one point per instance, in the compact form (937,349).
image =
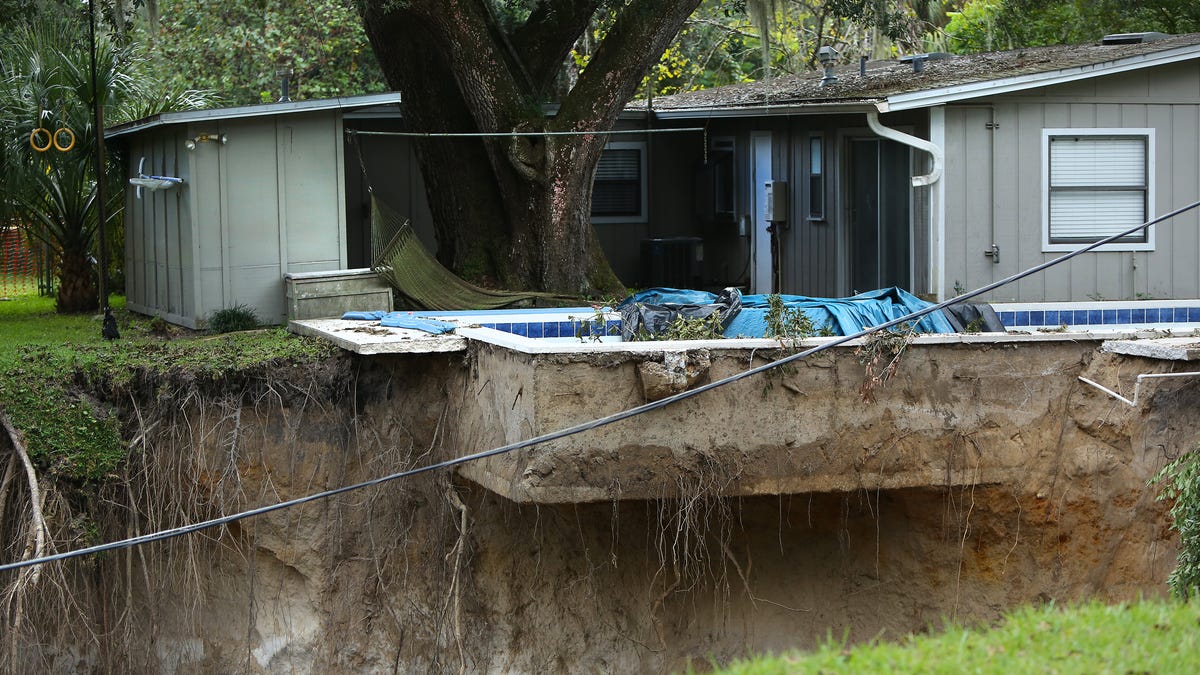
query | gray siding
(994,186)
(158,232)
(268,202)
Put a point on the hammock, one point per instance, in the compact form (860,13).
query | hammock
(401,260)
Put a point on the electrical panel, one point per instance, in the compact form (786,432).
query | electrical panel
(776,192)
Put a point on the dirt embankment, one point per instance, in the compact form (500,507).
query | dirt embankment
(437,573)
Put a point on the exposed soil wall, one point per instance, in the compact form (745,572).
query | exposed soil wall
(438,573)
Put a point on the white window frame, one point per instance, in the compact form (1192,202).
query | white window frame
(1148,135)
(643,212)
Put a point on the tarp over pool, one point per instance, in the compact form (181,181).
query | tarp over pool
(842,316)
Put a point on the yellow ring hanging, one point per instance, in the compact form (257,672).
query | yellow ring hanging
(69,134)
(33,142)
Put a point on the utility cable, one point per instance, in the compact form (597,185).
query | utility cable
(586,426)
(511,134)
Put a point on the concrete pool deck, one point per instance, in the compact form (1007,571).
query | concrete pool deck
(368,338)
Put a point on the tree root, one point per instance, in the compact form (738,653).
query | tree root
(35,545)
(456,583)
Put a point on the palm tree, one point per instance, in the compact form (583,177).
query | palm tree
(45,82)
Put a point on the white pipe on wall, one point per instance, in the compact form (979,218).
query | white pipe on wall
(912,141)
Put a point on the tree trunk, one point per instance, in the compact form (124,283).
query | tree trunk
(515,209)
(76,284)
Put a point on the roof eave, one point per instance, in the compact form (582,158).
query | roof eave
(951,94)
(821,108)
(239,112)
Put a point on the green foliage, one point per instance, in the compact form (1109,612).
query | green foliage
(703,328)
(233,319)
(235,50)
(1181,486)
(985,25)
(45,82)
(731,41)
(1143,637)
(790,324)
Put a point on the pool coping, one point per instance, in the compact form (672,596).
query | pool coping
(368,338)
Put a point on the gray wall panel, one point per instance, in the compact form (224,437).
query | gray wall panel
(308,146)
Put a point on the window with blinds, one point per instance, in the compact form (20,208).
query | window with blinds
(1098,187)
(618,190)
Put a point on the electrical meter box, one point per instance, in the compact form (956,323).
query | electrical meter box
(776,197)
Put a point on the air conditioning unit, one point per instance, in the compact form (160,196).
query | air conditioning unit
(673,262)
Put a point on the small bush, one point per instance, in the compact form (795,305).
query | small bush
(1181,486)
(232,319)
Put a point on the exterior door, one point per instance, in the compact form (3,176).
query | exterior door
(880,222)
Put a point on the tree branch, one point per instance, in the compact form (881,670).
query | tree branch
(637,39)
(545,39)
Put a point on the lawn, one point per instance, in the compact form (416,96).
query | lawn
(1151,636)
(56,371)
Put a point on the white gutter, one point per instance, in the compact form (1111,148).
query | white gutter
(912,141)
(766,110)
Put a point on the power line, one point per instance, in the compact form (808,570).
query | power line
(586,426)
(511,134)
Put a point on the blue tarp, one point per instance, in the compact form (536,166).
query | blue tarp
(843,316)
(402,320)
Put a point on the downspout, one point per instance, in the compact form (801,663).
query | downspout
(912,141)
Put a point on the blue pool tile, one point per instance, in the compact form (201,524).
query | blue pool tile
(536,329)
(521,329)
(1108,316)
(506,327)
(566,329)
(1051,317)
(487,325)
(1181,314)
(614,327)
(1079,317)
(1006,318)
(550,329)
(1124,316)
(1152,315)
(1037,317)
(1021,318)
(1095,317)
(1137,316)
(1193,314)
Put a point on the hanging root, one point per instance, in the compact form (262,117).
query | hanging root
(35,545)
(456,583)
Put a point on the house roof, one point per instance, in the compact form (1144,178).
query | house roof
(211,114)
(892,85)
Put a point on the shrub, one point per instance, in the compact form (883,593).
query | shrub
(232,319)
(1181,485)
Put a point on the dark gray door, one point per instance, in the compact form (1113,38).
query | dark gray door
(880,232)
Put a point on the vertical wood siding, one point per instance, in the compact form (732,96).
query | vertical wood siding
(1008,159)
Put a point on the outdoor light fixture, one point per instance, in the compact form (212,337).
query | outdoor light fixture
(190,143)
(284,71)
(827,56)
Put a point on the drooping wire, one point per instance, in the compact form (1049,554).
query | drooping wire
(586,426)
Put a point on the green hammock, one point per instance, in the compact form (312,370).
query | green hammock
(401,259)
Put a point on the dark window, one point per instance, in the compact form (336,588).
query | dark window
(816,177)
(617,189)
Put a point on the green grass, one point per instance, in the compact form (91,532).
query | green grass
(1153,636)
(50,362)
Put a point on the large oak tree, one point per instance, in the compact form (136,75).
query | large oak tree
(516,209)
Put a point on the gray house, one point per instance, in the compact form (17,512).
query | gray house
(267,191)
(927,173)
